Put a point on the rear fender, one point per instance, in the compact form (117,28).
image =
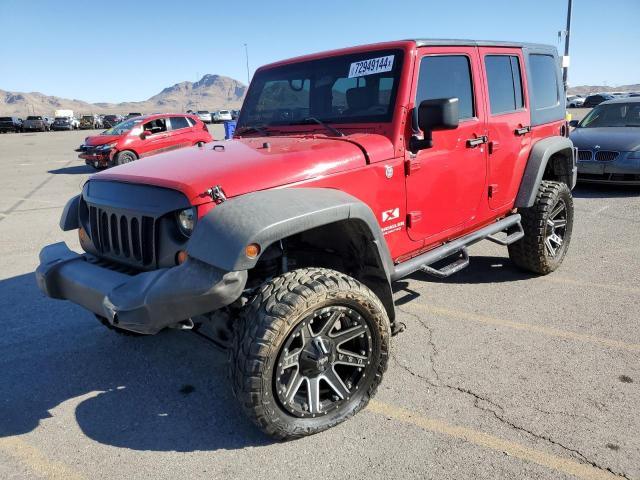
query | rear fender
(562,168)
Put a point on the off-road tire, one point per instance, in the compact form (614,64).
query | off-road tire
(265,323)
(125,156)
(530,252)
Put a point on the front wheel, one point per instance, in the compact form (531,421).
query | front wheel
(547,230)
(125,156)
(309,352)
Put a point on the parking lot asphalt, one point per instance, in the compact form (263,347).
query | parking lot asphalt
(499,374)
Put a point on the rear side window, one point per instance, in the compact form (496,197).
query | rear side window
(191,121)
(447,76)
(544,80)
(179,122)
(505,83)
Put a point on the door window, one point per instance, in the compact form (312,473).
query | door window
(158,125)
(179,122)
(544,79)
(447,76)
(505,83)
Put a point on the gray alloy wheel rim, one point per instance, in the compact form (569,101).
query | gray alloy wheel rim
(556,229)
(324,361)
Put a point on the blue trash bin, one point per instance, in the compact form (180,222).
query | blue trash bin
(229,129)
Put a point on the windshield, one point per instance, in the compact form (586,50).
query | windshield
(87,117)
(613,115)
(122,127)
(5,119)
(355,88)
(62,119)
(203,112)
(34,118)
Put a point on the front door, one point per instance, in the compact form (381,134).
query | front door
(446,183)
(509,123)
(157,137)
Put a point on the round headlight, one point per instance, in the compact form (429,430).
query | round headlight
(187,220)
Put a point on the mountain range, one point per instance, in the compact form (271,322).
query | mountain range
(587,89)
(211,92)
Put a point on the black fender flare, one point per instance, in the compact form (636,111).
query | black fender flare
(539,157)
(69,219)
(265,217)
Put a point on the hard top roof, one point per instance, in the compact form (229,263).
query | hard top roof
(427,42)
(410,42)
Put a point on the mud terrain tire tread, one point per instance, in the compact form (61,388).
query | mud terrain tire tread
(529,252)
(265,323)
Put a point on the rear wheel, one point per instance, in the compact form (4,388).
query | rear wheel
(126,156)
(547,226)
(309,352)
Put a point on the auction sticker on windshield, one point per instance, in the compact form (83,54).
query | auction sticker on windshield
(371,66)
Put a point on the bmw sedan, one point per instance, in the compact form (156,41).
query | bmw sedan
(608,142)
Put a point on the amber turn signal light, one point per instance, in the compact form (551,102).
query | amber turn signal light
(83,237)
(181,257)
(252,250)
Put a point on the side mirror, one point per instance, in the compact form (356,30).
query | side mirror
(145,134)
(574,123)
(432,115)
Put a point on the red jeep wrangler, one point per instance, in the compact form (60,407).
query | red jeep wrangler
(349,170)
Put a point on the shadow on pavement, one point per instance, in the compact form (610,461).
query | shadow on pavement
(481,269)
(594,190)
(75,170)
(167,392)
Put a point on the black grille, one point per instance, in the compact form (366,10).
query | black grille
(123,237)
(606,156)
(584,154)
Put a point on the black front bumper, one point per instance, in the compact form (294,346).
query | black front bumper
(144,303)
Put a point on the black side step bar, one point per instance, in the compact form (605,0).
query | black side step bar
(447,271)
(516,233)
(422,262)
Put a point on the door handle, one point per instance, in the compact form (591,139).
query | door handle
(474,142)
(523,130)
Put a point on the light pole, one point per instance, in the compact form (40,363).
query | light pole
(246,53)
(565,59)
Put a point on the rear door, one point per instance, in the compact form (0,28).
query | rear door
(446,183)
(508,122)
(180,132)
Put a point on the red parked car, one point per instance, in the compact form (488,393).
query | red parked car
(142,136)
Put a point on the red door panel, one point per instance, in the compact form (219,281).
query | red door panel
(447,182)
(508,123)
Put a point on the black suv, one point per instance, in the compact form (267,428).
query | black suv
(595,100)
(10,124)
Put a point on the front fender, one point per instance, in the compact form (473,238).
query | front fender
(264,217)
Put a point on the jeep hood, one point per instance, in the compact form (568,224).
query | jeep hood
(251,164)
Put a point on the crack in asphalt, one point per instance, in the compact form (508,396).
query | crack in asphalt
(500,414)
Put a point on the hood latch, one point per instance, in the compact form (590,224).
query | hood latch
(216,193)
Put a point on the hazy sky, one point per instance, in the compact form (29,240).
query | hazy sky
(129,50)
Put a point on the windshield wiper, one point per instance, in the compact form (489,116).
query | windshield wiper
(252,128)
(308,120)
